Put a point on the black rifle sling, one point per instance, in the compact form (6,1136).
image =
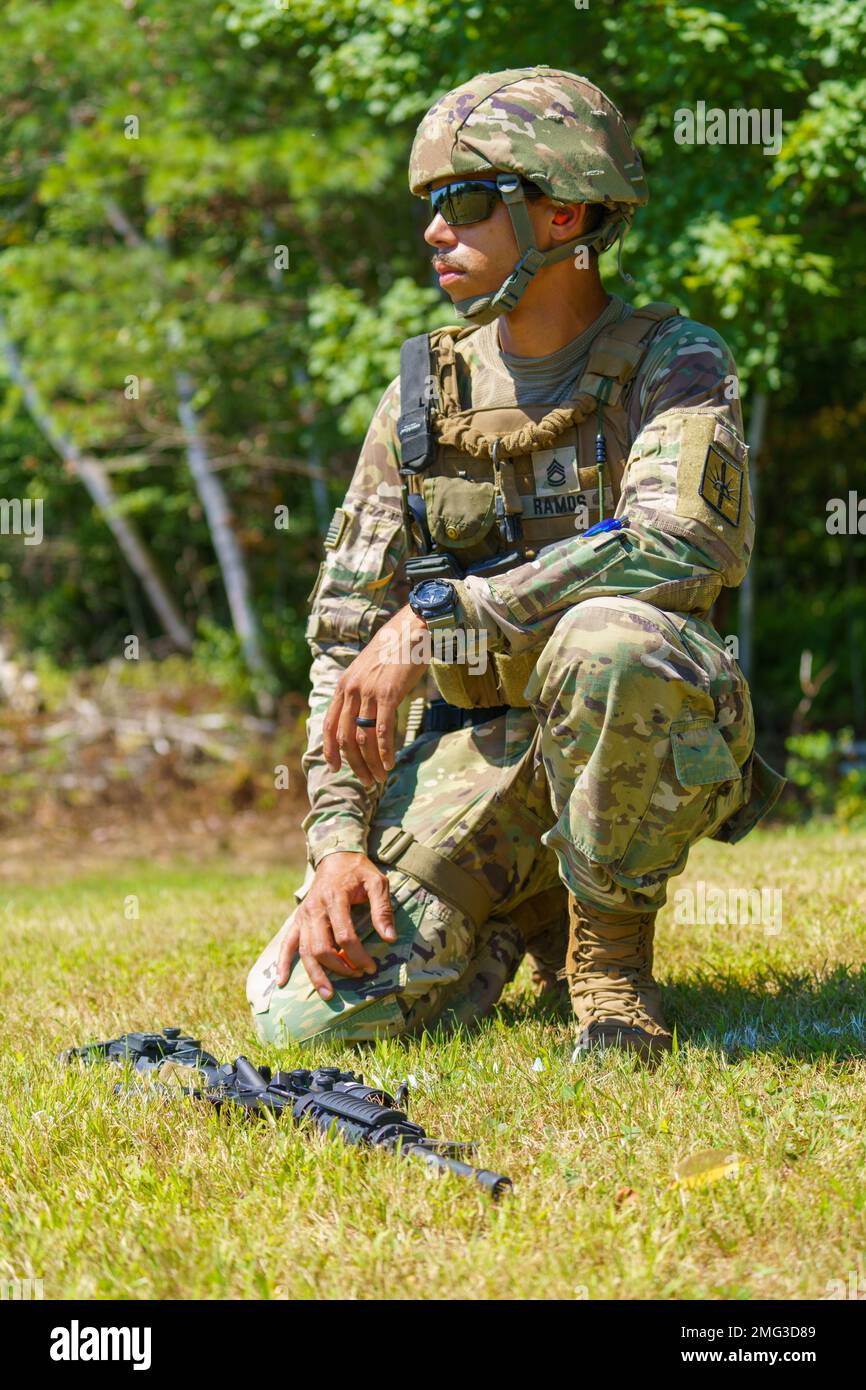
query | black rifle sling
(414,427)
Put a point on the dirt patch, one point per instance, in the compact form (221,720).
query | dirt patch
(174,834)
(148,762)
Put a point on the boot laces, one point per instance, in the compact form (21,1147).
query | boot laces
(610,970)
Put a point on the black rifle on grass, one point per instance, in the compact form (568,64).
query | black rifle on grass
(335,1101)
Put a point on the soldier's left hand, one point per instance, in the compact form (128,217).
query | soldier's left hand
(372,688)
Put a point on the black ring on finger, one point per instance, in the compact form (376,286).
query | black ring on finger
(366,723)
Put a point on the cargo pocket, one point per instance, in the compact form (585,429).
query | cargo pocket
(700,753)
(564,579)
(362,553)
(699,786)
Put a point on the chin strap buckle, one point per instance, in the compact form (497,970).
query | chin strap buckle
(510,291)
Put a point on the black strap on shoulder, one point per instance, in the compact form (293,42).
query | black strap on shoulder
(414,427)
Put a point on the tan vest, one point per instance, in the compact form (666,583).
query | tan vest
(534,466)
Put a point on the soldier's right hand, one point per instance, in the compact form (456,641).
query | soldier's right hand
(322,926)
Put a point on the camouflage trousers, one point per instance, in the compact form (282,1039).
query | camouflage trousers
(629,752)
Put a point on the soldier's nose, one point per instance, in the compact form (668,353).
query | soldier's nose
(438,233)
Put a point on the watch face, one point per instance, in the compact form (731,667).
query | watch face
(434,593)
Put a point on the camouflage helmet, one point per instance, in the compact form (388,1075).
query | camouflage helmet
(554,128)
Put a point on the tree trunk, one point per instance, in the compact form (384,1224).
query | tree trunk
(216,508)
(212,496)
(99,486)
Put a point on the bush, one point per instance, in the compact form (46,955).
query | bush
(822,767)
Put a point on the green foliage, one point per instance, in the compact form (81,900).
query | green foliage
(811,767)
(742,264)
(820,766)
(353,350)
(268,124)
(218,657)
(851,800)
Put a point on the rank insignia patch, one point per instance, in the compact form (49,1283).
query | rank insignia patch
(556,473)
(555,470)
(722,484)
(336,527)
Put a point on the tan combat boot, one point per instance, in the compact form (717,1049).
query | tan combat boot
(615,999)
(545,983)
(543,924)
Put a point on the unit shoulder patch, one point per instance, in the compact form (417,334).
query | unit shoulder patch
(712,473)
(722,484)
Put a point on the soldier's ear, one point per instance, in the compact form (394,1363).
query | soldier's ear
(581,213)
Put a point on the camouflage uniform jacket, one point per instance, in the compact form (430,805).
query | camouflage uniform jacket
(680,541)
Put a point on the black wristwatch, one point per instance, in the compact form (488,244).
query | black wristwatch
(434,600)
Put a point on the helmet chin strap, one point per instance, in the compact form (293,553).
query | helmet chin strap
(486,307)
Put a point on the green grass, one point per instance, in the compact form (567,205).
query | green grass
(117,1197)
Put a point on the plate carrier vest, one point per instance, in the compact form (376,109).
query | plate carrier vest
(484,490)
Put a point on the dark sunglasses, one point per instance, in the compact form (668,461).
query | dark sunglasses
(470,200)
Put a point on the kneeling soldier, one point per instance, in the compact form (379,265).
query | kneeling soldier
(547,504)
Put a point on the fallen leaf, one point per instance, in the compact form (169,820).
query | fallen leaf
(705,1167)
